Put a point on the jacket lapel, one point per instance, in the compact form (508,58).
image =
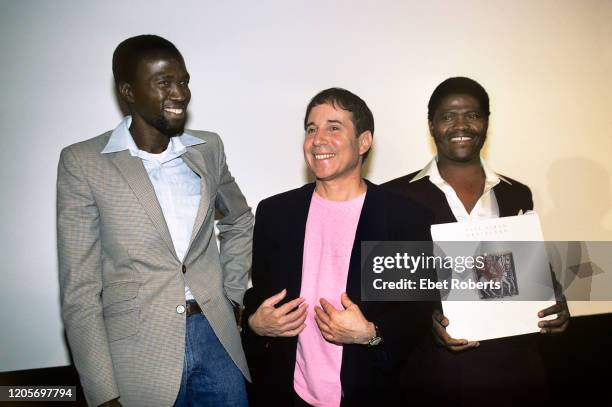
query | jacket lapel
(370,222)
(137,178)
(505,200)
(194,159)
(434,199)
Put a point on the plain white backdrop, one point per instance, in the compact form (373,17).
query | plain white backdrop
(546,64)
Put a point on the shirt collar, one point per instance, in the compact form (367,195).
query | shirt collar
(431,171)
(121,139)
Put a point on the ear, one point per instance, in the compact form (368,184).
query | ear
(126,92)
(431,130)
(365,142)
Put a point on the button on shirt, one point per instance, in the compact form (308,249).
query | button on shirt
(176,186)
(485,208)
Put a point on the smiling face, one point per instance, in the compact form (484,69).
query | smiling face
(158,95)
(459,128)
(331,148)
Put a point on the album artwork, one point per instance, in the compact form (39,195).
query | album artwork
(498,271)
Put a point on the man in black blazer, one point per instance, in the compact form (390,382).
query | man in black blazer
(373,338)
(457,185)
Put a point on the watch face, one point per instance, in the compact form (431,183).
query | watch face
(375,341)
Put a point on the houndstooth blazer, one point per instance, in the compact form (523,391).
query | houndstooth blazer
(121,282)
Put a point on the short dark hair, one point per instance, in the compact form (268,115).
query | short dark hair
(361,115)
(459,85)
(129,52)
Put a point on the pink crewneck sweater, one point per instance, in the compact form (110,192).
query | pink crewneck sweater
(330,233)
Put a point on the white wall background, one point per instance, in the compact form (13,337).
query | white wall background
(546,64)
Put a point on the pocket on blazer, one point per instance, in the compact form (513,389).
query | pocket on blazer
(120,309)
(113,295)
(122,325)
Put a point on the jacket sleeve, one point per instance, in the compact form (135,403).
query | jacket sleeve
(80,278)
(406,325)
(235,232)
(257,293)
(529,199)
(255,346)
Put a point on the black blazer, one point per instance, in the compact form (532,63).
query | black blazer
(511,198)
(510,366)
(368,375)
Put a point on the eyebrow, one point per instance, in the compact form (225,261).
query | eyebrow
(329,121)
(454,109)
(169,76)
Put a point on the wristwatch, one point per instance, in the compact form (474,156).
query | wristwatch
(376,339)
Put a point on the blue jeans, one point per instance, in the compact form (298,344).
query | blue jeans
(210,376)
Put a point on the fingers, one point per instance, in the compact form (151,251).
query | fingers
(557,325)
(294,332)
(562,317)
(275,299)
(327,307)
(442,338)
(322,315)
(437,316)
(285,308)
(292,317)
(287,320)
(329,330)
(324,322)
(289,328)
(286,325)
(342,325)
(553,309)
(461,348)
(325,329)
(458,345)
(346,301)
(558,330)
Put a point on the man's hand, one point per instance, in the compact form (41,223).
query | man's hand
(286,320)
(557,325)
(343,326)
(111,403)
(442,338)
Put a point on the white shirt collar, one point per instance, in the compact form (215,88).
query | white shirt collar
(431,171)
(121,139)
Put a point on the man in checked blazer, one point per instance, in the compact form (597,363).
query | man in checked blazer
(147,298)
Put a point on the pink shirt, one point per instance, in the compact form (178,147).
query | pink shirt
(330,233)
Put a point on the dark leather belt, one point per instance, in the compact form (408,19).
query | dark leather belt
(193,308)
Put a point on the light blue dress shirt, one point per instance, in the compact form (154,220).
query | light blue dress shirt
(176,186)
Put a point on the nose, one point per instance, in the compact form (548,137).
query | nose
(180,92)
(460,122)
(319,138)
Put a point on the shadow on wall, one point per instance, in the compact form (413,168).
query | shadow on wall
(580,193)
